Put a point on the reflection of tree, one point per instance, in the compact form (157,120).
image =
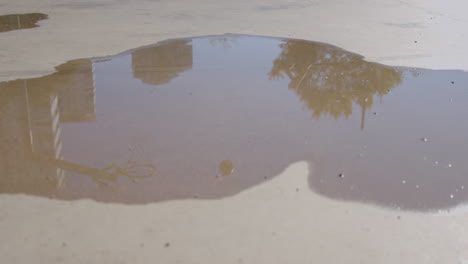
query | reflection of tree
(329,80)
(13,22)
(162,63)
(224,41)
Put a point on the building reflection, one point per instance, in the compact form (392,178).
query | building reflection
(330,80)
(160,64)
(20,21)
(30,113)
(224,138)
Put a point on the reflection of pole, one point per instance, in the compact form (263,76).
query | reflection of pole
(28,114)
(98,175)
(363,116)
(70,166)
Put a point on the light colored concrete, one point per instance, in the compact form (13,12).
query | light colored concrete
(271,223)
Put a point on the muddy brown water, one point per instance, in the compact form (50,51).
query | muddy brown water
(20,21)
(208,117)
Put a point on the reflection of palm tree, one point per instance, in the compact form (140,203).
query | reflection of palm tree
(329,80)
(162,63)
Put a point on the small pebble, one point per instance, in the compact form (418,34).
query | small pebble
(341,175)
(415,41)
(453,82)
(398,217)
(424,139)
(167,245)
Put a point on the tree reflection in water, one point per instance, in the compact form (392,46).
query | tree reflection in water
(330,80)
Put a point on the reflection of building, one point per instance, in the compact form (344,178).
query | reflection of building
(77,98)
(14,22)
(161,63)
(30,112)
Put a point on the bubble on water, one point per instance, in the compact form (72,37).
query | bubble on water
(451,196)
(449,165)
(417,186)
(436,162)
(403,181)
(424,139)
(462,187)
(341,175)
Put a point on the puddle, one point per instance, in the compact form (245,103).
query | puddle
(209,117)
(20,21)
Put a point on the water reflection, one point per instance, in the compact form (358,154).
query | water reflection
(20,21)
(31,111)
(226,167)
(99,129)
(330,80)
(160,64)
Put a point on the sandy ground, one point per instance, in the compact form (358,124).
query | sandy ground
(271,223)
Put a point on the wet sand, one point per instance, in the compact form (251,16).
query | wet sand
(277,221)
